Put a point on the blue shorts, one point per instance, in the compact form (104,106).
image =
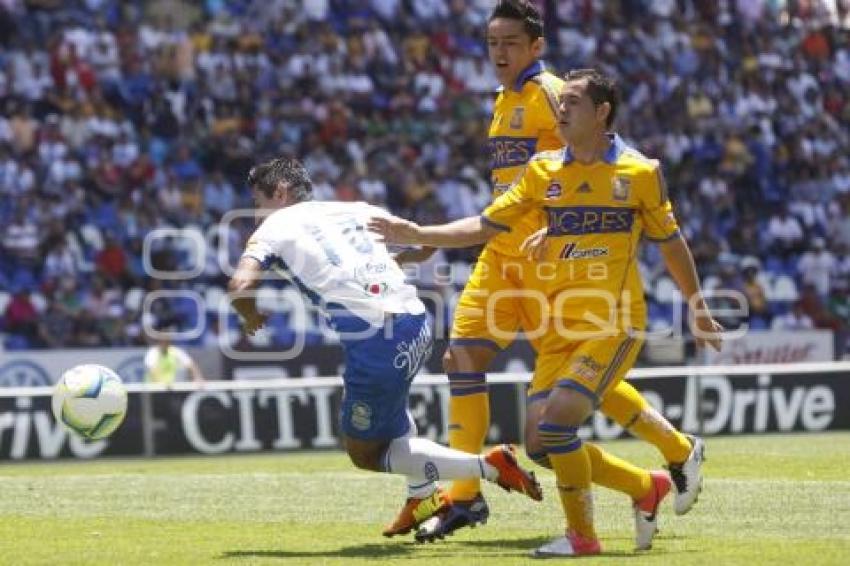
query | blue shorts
(378,373)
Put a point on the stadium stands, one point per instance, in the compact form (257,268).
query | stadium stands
(122,117)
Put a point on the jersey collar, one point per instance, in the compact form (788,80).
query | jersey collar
(528,73)
(611,154)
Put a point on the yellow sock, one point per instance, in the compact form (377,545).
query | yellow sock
(615,473)
(469,419)
(628,407)
(571,463)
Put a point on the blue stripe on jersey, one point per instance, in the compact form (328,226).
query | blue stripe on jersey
(508,151)
(582,220)
(612,154)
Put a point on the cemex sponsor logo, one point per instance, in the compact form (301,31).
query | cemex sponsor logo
(572,251)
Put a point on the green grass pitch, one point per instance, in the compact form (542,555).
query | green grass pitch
(781,499)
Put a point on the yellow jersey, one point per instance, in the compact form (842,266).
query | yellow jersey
(524,123)
(596,215)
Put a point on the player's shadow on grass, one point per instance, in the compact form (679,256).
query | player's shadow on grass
(361,551)
(372,550)
(511,547)
(493,548)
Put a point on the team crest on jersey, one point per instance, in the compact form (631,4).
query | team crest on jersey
(622,186)
(517,118)
(587,368)
(361,416)
(553,190)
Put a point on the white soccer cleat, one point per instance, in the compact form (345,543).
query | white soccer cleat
(573,544)
(646,510)
(687,477)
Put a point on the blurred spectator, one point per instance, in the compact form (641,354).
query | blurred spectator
(55,327)
(744,237)
(166,363)
(219,196)
(785,232)
(21,240)
(21,317)
(706,249)
(87,332)
(67,296)
(60,261)
(795,319)
(753,289)
(839,222)
(817,267)
(111,261)
(839,302)
(23,128)
(816,309)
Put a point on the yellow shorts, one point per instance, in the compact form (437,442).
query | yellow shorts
(593,366)
(503,294)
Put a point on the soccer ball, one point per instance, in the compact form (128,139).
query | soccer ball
(90,400)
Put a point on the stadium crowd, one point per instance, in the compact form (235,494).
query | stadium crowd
(122,117)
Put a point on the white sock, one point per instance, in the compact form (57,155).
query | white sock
(421,490)
(422,458)
(418,487)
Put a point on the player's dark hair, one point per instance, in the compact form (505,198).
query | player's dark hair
(268,176)
(600,89)
(522,10)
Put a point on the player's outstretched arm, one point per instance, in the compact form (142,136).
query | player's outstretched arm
(680,264)
(461,233)
(240,289)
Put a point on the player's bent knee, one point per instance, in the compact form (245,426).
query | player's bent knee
(565,416)
(366,456)
(365,460)
(569,406)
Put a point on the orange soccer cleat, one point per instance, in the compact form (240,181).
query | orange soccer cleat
(512,477)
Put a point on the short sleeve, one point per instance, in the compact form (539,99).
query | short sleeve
(659,221)
(513,204)
(261,247)
(260,251)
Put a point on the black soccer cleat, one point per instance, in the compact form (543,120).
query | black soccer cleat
(458,515)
